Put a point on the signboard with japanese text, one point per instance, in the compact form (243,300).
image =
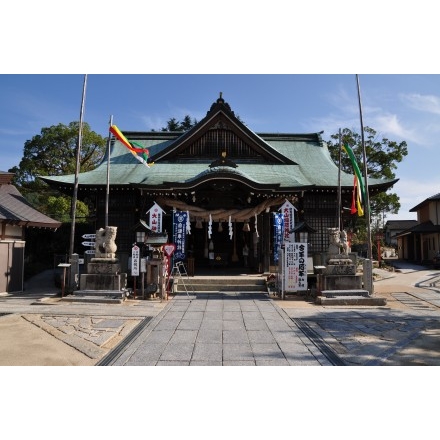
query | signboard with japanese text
(88,243)
(135,261)
(179,236)
(156,213)
(295,267)
(278,234)
(288,211)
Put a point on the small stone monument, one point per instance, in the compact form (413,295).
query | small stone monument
(105,245)
(103,278)
(339,283)
(338,260)
(340,270)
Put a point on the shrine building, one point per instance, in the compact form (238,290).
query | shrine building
(229,180)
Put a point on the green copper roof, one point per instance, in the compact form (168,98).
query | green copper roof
(314,168)
(279,161)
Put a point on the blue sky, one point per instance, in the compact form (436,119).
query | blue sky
(399,107)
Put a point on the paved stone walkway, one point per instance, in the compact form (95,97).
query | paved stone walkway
(222,329)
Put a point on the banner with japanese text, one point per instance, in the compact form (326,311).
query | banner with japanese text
(156,215)
(295,267)
(288,211)
(135,260)
(179,234)
(278,230)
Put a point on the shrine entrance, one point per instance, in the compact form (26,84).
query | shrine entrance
(222,251)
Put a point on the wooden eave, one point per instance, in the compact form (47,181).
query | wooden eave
(425,202)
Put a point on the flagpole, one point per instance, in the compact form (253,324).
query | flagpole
(339,182)
(107,194)
(77,169)
(367,196)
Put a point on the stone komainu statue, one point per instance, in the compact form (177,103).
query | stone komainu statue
(335,240)
(334,235)
(338,241)
(344,242)
(105,246)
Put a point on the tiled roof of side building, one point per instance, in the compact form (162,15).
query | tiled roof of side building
(15,209)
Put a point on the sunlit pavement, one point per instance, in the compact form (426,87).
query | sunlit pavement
(230,329)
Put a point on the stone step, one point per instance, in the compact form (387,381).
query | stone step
(97,296)
(351,301)
(226,281)
(218,288)
(220,284)
(108,292)
(90,299)
(345,292)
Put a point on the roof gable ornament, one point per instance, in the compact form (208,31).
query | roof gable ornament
(221,131)
(223,162)
(220,102)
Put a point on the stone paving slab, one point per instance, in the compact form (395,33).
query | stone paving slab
(226,329)
(93,336)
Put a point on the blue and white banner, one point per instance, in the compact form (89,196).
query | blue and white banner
(278,233)
(179,234)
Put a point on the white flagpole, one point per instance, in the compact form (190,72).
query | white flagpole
(367,197)
(339,184)
(77,169)
(107,194)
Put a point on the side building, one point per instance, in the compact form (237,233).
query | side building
(16,215)
(220,171)
(393,228)
(421,242)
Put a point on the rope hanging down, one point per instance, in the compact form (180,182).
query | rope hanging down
(220,214)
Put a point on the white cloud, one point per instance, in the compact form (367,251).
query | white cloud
(153,123)
(390,124)
(11,132)
(424,103)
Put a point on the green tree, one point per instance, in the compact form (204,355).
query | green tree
(173,124)
(53,153)
(59,209)
(382,157)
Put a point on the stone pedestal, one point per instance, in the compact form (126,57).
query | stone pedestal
(338,283)
(103,275)
(155,279)
(103,281)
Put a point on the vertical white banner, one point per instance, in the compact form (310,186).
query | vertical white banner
(295,267)
(288,212)
(156,213)
(135,261)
